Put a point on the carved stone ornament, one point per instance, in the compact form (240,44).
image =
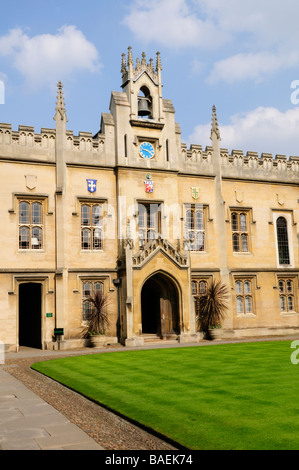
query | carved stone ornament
(30,181)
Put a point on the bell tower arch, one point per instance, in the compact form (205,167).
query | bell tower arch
(143,87)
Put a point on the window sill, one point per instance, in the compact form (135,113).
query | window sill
(92,251)
(246,315)
(242,253)
(29,250)
(289,314)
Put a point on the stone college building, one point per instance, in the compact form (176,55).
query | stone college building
(135,214)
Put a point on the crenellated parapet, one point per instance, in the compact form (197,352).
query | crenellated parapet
(26,137)
(25,142)
(236,164)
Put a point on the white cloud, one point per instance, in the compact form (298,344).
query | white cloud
(260,37)
(171,23)
(251,66)
(262,130)
(46,58)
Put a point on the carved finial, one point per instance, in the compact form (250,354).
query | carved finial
(143,62)
(123,64)
(60,107)
(130,58)
(151,65)
(158,62)
(215,128)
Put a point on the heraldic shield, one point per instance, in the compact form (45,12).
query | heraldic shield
(92,185)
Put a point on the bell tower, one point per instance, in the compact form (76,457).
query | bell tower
(143,86)
(146,135)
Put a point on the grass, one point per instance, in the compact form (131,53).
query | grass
(220,396)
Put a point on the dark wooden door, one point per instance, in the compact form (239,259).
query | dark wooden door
(166,316)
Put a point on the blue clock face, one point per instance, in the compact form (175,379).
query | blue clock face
(146,150)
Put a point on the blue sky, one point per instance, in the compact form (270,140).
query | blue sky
(241,56)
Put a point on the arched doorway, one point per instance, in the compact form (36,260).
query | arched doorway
(160,306)
(30,318)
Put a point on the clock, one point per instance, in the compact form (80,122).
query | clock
(146,150)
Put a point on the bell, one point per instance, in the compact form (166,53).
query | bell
(143,107)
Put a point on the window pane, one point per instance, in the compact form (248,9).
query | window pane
(240,307)
(97,239)
(24,213)
(85,239)
(202,287)
(98,288)
(290,303)
(200,245)
(243,222)
(289,286)
(190,220)
(199,220)
(152,234)
(191,235)
(244,242)
(239,287)
(36,213)
(248,304)
(36,238)
(281,286)
(282,303)
(194,287)
(87,309)
(247,287)
(235,222)
(96,215)
(141,215)
(236,244)
(85,215)
(24,238)
(282,241)
(87,289)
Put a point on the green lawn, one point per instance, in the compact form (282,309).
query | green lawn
(219,396)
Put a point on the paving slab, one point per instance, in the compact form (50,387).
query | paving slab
(29,423)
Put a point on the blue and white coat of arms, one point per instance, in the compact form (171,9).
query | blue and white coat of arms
(91,185)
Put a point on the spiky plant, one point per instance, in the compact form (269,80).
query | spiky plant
(211,307)
(98,320)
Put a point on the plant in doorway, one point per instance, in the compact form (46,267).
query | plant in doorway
(211,308)
(98,318)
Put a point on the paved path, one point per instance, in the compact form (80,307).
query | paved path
(29,423)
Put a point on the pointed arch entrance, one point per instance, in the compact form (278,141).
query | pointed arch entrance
(160,306)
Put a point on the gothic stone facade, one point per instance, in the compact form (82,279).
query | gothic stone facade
(134,213)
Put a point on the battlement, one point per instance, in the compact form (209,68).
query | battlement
(26,137)
(237,164)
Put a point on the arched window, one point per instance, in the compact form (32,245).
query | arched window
(195,227)
(240,232)
(286,295)
(90,288)
(282,241)
(30,225)
(244,295)
(91,227)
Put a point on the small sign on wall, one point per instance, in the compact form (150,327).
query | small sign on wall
(49,315)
